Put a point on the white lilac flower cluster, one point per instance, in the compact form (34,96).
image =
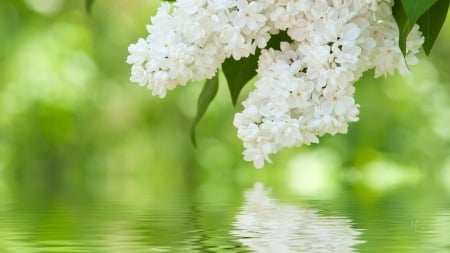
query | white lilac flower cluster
(190,40)
(305,89)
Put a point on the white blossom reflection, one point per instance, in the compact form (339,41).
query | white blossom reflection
(264,225)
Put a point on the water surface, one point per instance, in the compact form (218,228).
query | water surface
(224,218)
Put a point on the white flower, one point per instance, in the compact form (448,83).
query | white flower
(139,52)
(387,58)
(337,101)
(234,42)
(280,18)
(138,75)
(414,42)
(298,6)
(190,6)
(248,16)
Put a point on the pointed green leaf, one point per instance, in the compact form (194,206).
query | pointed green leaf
(416,8)
(88,5)
(207,95)
(431,23)
(406,13)
(238,73)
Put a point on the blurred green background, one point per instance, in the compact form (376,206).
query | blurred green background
(72,125)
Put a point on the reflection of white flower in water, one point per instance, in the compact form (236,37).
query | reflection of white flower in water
(264,225)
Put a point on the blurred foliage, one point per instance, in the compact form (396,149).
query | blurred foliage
(74,130)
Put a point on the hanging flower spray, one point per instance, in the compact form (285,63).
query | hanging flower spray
(307,55)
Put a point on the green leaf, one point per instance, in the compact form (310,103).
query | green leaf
(238,73)
(88,5)
(416,8)
(207,95)
(406,13)
(431,23)
(404,24)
